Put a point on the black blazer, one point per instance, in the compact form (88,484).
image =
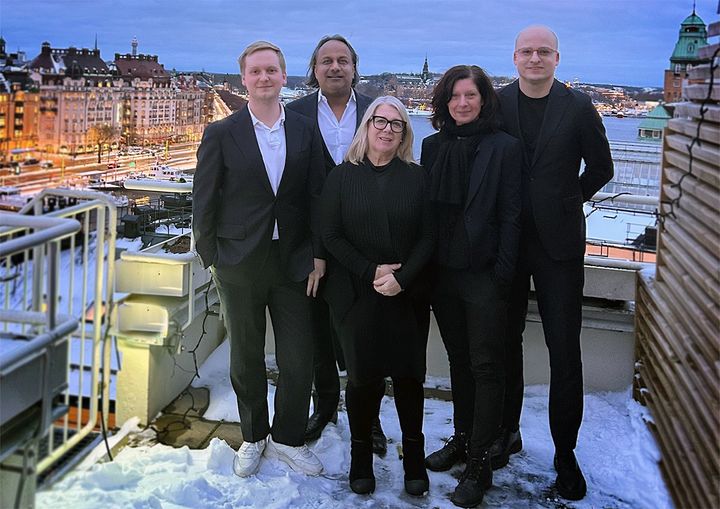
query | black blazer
(234,208)
(492,207)
(572,131)
(308,106)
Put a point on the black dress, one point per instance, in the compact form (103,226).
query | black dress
(373,216)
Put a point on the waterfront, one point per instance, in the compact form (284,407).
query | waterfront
(618,129)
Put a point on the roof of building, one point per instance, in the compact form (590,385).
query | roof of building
(693,19)
(693,35)
(140,66)
(233,101)
(81,61)
(656,119)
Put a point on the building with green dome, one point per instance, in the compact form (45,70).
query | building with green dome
(693,35)
(651,127)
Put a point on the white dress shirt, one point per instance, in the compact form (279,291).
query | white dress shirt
(337,134)
(271,141)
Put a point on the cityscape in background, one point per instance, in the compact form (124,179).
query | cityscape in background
(72,117)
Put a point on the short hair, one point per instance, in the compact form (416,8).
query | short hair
(359,146)
(259,46)
(443,91)
(311,79)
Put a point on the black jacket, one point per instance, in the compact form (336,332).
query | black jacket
(308,107)
(492,207)
(234,207)
(572,131)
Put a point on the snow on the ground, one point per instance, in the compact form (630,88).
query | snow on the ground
(617,453)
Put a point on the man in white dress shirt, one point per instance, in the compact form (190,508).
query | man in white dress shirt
(259,174)
(336,108)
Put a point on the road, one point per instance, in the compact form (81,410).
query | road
(78,171)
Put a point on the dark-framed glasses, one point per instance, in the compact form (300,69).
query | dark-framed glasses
(380,123)
(543,52)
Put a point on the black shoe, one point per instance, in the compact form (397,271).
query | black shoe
(570,482)
(507,443)
(417,482)
(362,478)
(379,440)
(454,451)
(316,424)
(474,481)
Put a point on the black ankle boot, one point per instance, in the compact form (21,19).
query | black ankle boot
(570,482)
(474,481)
(362,478)
(507,443)
(454,451)
(416,478)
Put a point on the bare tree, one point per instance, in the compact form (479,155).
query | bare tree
(101,135)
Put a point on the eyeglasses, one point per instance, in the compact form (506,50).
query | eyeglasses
(526,53)
(380,123)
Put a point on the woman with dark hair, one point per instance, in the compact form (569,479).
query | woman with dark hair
(377,225)
(475,193)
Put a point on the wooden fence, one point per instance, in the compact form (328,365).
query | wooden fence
(677,313)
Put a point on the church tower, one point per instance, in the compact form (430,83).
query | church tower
(425,76)
(693,35)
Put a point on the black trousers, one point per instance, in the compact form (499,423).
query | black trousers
(327,355)
(559,293)
(363,406)
(470,310)
(245,293)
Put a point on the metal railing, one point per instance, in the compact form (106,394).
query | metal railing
(81,275)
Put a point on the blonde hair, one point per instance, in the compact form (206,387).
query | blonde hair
(259,46)
(359,146)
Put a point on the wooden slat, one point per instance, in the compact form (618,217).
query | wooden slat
(676,345)
(699,92)
(692,185)
(693,248)
(675,372)
(702,72)
(700,169)
(708,132)
(686,445)
(704,313)
(677,318)
(680,142)
(696,347)
(707,282)
(688,109)
(713,29)
(707,52)
(695,218)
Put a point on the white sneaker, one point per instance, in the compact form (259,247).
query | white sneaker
(301,459)
(247,458)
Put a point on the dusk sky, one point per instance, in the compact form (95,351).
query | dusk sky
(625,42)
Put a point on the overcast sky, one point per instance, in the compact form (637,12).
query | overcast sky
(626,42)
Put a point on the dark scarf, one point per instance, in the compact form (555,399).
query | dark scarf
(450,173)
(449,182)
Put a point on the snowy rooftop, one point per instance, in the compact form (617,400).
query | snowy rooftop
(616,451)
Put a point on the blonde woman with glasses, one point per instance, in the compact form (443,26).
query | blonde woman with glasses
(377,227)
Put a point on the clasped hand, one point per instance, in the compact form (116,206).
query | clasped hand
(385,282)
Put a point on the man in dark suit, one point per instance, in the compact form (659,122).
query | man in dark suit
(259,174)
(558,127)
(336,109)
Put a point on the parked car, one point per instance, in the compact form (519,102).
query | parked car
(46,164)
(30,161)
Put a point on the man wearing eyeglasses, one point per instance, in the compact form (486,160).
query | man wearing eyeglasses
(558,127)
(336,108)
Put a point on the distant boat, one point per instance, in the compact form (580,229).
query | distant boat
(420,111)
